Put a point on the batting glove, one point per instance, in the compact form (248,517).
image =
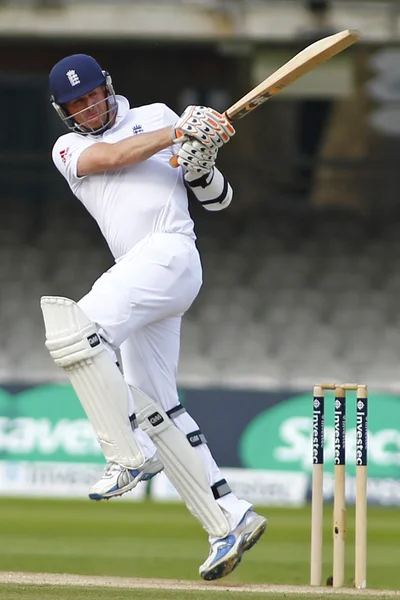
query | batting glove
(206,125)
(196,157)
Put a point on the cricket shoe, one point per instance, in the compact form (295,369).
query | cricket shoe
(117,480)
(226,553)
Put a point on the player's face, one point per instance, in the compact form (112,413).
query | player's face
(89,110)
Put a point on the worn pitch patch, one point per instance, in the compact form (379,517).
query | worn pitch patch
(177,584)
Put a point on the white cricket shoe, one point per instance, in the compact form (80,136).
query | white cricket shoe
(117,480)
(226,553)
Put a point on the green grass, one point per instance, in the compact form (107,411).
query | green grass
(163,540)
(22,592)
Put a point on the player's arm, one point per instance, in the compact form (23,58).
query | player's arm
(111,157)
(212,189)
(209,186)
(199,122)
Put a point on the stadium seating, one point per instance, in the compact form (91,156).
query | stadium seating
(289,297)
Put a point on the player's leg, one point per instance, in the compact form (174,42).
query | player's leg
(155,282)
(75,345)
(159,275)
(150,360)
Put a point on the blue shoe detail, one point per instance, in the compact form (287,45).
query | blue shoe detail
(145,476)
(226,553)
(122,480)
(113,489)
(224,548)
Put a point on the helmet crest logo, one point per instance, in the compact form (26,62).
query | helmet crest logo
(73,77)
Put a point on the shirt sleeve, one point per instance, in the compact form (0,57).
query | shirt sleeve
(170,117)
(66,153)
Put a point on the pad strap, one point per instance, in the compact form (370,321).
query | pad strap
(196,438)
(220,488)
(176,411)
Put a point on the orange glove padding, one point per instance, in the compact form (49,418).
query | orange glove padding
(206,125)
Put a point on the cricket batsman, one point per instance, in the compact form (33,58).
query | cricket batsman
(116,162)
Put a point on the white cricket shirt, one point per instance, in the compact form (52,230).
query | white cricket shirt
(133,202)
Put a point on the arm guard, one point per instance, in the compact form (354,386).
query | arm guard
(212,189)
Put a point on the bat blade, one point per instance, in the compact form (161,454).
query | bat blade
(301,64)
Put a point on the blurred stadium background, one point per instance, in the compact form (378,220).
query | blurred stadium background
(301,273)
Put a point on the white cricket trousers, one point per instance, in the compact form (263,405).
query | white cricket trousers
(138,306)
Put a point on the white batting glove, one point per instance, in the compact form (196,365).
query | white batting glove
(196,157)
(206,125)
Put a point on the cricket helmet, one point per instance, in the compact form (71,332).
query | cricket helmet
(73,77)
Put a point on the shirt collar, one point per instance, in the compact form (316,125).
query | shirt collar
(123,108)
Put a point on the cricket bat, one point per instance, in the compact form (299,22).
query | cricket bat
(302,63)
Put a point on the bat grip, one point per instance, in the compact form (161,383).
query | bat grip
(173,161)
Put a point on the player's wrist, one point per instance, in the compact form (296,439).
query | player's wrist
(196,176)
(177,137)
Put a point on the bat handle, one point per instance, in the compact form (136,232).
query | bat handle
(173,161)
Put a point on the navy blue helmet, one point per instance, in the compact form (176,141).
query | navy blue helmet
(73,77)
